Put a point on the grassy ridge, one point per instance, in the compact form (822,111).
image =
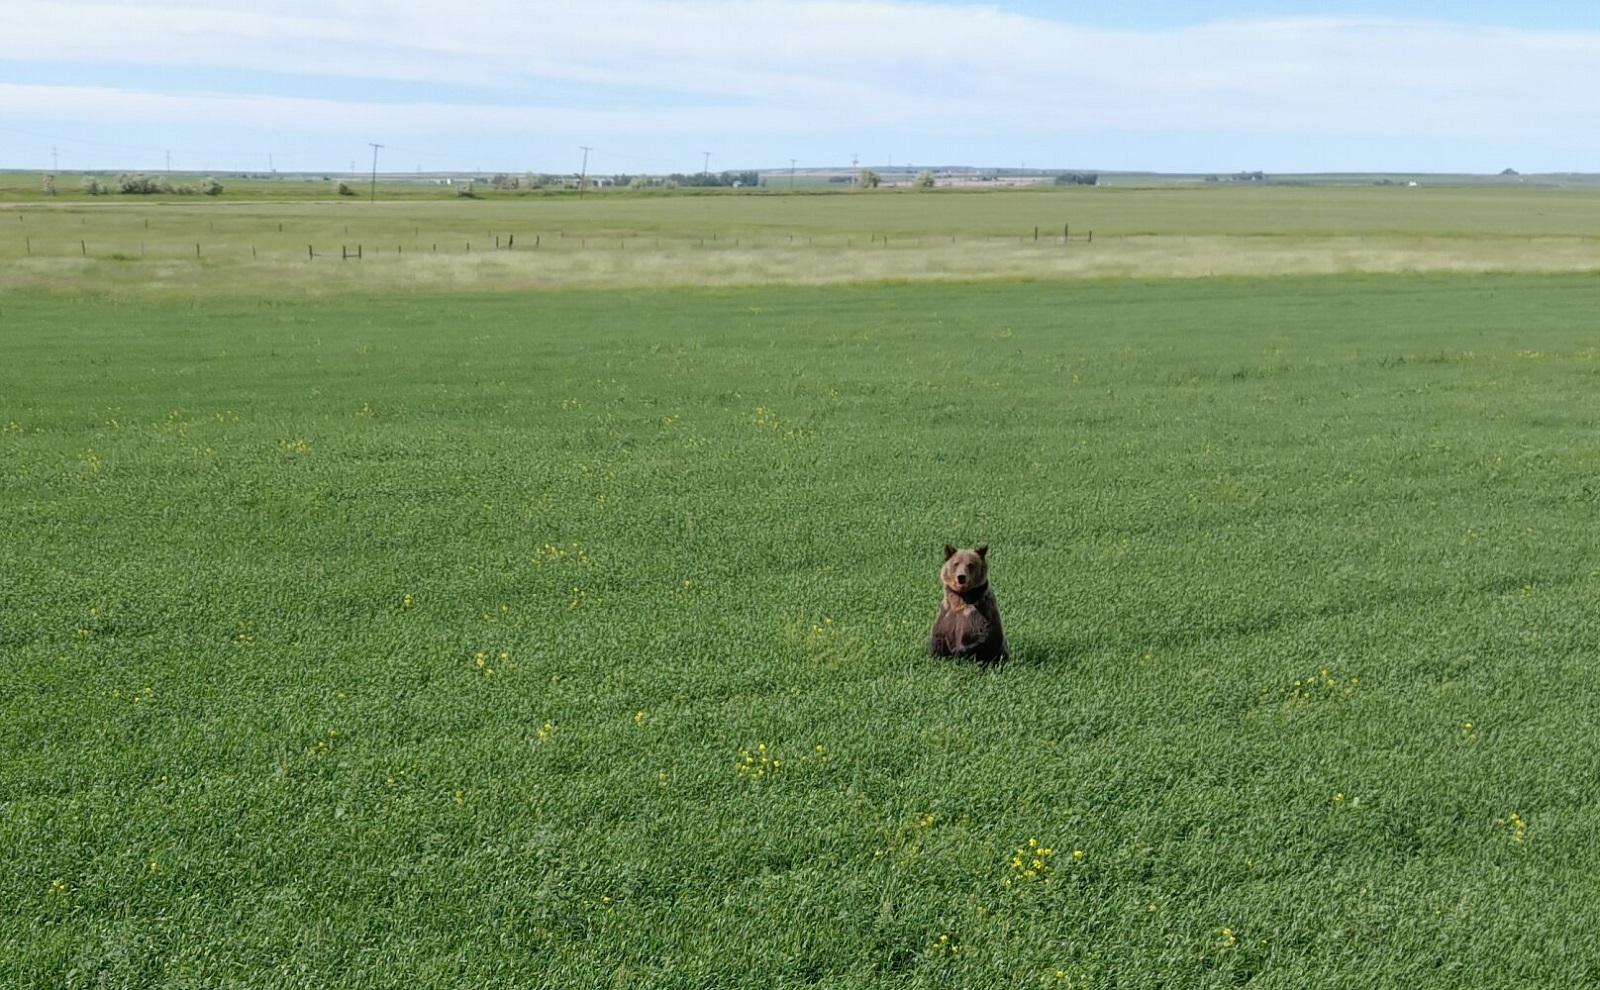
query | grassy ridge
(1114,211)
(575,639)
(135,247)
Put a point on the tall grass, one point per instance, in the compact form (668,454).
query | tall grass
(576,639)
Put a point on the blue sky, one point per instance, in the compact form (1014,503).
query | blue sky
(1188,13)
(651,86)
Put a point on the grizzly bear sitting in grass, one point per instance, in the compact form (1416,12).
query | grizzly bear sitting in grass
(968,624)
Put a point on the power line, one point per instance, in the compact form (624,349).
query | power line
(375,148)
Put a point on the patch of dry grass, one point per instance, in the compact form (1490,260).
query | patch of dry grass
(647,264)
(301,248)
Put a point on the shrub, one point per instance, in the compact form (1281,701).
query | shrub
(140,185)
(345,190)
(924,180)
(94,187)
(211,187)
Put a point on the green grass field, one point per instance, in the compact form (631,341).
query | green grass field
(576,638)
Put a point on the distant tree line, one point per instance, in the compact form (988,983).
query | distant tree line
(146,185)
(506,182)
(1239,177)
(1078,179)
(713,179)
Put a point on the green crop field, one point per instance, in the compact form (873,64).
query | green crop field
(355,633)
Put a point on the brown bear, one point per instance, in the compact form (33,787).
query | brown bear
(968,624)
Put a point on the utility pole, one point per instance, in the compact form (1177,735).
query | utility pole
(706,169)
(169,163)
(375,148)
(583,175)
(792,162)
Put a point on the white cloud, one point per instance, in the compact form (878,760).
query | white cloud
(807,66)
(92,104)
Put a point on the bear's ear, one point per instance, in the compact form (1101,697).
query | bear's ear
(949,551)
(983,550)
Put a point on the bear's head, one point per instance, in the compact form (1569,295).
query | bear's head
(965,570)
